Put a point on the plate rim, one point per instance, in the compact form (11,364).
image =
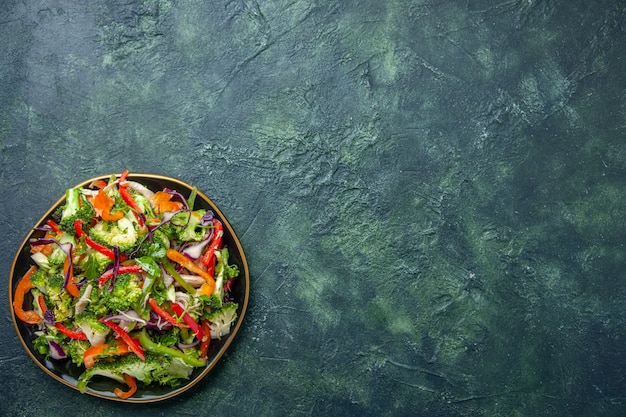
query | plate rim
(222,350)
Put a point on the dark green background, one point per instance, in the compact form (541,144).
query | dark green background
(430,193)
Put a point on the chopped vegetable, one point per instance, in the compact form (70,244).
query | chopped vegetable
(162,203)
(164,314)
(103,350)
(103,204)
(131,381)
(23,287)
(195,327)
(130,269)
(132,343)
(72,334)
(187,263)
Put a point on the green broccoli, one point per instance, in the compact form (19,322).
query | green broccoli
(96,304)
(76,208)
(191,230)
(126,292)
(76,350)
(173,374)
(44,339)
(121,233)
(41,344)
(220,321)
(94,264)
(155,248)
(90,325)
(63,306)
(154,368)
(51,284)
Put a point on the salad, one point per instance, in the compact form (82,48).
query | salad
(128,283)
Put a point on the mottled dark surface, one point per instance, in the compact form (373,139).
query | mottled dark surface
(430,193)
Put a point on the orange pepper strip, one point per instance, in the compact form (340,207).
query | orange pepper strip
(206,289)
(132,388)
(103,204)
(71,285)
(24,286)
(162,203)
(187,263)
(92,353)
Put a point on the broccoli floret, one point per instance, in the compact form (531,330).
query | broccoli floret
(131,364)
(126,292)
(191,230)
(94,264)
(43,340)
(220,321)
(174,373)
(96,304)
(50,284)
(95,330)
(76,350)
(41,345)
(121,233)
(156,247)
(213,301)
(76,208)
(63,306)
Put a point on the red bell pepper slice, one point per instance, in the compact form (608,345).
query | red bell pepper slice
(133,344)
(123,269)
(53,225)
(204,345)
(72,334)
(78,227)
(100,248)
(123,188)
(161,312)
(123,176)
(195,327)
(209,259)
(98,184)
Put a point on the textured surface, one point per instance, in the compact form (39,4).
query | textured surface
(430,193)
